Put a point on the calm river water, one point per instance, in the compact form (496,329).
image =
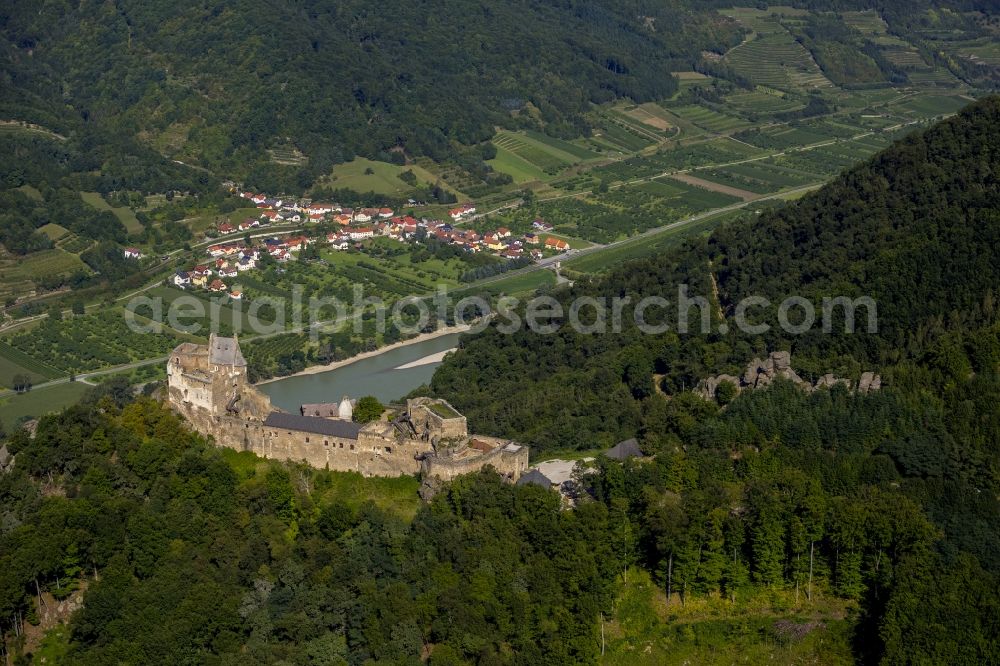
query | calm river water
(376,375)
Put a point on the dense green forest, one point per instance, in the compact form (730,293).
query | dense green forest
(218,84)
(338,78)
(916,229)
(198,560)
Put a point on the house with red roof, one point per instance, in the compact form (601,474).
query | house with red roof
(556,243)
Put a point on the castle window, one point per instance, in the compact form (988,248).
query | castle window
(326,443)
(352,447)
(341,445)
(307,440)
(388,449)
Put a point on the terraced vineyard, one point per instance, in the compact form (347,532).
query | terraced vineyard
(777,61)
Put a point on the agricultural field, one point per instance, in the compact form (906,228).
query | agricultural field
(38,402)
(716,151)
(520,169)
(91,342)
(619,135)
(758,177)
(287,155)
(516,284)
(19,275)
(980,51)
(644,246)
(929,105)
(546,154)
(706,118)
(763,102)
(125,215)
(14,362)
(866,22)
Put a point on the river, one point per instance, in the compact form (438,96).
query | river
(376,375)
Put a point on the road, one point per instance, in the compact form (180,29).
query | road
(543,264)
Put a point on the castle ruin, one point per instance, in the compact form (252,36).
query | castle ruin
(208,385)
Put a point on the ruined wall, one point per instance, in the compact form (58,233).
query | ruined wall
(509,461)
(425,419)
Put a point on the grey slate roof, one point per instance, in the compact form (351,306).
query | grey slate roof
(225,351)
(313,424)
(534,477)
(324,409)
(625,449)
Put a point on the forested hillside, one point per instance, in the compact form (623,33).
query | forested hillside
(897,489)
(201,557)
(915,228)
(219,83)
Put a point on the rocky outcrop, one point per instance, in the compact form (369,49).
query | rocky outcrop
(778,365)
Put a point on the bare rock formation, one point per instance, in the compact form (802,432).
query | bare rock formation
(778,365)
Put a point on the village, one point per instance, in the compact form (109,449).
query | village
(351,227)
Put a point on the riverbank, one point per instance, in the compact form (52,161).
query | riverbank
(423,337)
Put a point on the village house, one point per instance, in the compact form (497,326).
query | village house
(236,295)
(541,225)
(503,232)
(181,279)
(217,286)
(132,253)
(385,213)
(226,228)
(461,211)
(361,233)
(532,238)
(556,244)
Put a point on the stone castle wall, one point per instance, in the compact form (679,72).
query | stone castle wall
(219,402)
(508,460)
